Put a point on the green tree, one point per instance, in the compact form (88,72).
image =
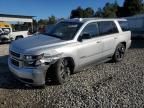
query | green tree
(42,22)
(99,13)
(110,10)
(120,11)
(133,7)
(77,13)
(88,12)
(82,13)
(51,20)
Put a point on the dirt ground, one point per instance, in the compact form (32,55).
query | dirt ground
(108,85)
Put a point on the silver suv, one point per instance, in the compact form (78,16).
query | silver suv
(69,46)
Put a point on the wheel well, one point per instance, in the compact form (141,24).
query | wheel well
(124,43)
(70,63)
(21,36)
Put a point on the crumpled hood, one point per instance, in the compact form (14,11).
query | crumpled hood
(38,42)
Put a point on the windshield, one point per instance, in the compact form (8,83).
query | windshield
(64,30)
(6,31)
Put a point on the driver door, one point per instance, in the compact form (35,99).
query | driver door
(90,49)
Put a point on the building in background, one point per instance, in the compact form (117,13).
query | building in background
(136,25)
(14,27)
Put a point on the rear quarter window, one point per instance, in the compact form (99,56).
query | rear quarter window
(107,27)
(124,25)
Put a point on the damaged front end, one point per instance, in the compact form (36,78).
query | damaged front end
(32,68)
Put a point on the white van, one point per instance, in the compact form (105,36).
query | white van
(7,33)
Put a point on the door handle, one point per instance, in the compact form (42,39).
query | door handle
(98,42)
(115,38)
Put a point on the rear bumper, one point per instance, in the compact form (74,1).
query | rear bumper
(34,76)
(128,44)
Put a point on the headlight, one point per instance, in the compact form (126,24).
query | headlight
(33,57)
(28,57)
(31,60)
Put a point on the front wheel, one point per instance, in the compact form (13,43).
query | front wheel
(119,53)
(60,71)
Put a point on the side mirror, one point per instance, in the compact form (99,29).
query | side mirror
(85,36)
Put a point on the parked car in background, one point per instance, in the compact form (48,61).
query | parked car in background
(68,47)
(8,33)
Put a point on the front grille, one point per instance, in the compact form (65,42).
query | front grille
(14,62)
(17,55)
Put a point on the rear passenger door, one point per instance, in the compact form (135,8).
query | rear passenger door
(109,34)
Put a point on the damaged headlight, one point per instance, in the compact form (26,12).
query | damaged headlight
(31,60)
(47,59)
(33,57)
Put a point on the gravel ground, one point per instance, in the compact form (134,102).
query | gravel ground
(108,85)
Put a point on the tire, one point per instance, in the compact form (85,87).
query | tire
(119,53)
(60,71)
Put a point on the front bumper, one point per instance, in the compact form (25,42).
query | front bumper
(35,76)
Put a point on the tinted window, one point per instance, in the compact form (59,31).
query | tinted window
(124,25)
(64,30)
(107,27)
(91,29)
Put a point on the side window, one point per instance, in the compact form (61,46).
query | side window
(107,27)
(124,25)
(91,29)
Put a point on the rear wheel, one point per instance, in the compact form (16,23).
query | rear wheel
(119,53)
(60,71)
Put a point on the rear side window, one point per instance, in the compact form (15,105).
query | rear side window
(124,25)
(107,27)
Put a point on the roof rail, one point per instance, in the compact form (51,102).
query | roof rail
(86,19)
(89,19)
(77,19)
